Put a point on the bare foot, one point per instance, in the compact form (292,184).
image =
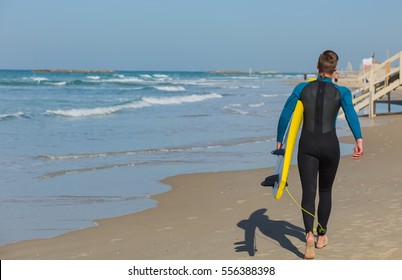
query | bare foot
(322,241)
(310,252)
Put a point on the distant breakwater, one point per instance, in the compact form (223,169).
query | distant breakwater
(73,71)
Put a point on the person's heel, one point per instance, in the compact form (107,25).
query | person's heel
(310,250)
(322,241)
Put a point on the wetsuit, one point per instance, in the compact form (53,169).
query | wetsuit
(318,145)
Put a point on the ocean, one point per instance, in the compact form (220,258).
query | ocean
(77,147)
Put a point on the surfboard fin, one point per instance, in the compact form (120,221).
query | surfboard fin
(278,152)
(270,181)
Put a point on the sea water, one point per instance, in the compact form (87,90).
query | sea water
(76,147)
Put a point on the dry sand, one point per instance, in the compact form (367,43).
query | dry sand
(228,215)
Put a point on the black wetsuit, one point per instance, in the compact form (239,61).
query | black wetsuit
(319,152)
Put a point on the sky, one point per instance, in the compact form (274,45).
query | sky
(195,35)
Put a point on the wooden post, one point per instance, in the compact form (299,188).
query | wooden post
(374,108)
(389,102)
(387,71)
(386,82)
(400,68)
(371,92)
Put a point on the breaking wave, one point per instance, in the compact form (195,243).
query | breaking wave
(170,88)
(85,112)
(11,116)
(180,99)
(143,103)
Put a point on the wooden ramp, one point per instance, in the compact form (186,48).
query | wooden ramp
(381,80)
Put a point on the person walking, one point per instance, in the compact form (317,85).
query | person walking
(319,151)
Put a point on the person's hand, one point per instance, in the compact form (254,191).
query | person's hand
(278,145)
(358,150)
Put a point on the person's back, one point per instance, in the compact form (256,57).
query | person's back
(321,102)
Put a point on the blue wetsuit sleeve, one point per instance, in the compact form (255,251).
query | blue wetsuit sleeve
(350,113)
(286,114)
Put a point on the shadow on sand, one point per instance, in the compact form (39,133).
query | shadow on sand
(275,230)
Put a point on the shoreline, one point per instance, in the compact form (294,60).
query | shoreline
(220,215)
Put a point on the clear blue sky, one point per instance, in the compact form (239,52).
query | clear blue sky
(194,34)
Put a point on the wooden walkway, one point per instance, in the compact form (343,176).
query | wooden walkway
(381,80)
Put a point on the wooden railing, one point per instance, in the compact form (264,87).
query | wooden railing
(379,81)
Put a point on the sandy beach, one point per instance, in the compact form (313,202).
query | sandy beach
(228,215)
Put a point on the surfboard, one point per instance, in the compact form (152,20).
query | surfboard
(295,122)
(279,180)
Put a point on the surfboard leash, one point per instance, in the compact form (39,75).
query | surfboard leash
(315,217)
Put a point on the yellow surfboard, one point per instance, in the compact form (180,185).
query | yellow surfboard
(289,143)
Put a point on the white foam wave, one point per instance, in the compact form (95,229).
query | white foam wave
(231,87)
(39,79)
(170,88)
(145,102)
(124,80)
(146,76)
(234,108)
(269,95)
(256,105)
(160,76)
(241,112)
(180,99)
(93,77)
(57,83)
(9,116)
(88,112)
(199,82)
(288,77)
